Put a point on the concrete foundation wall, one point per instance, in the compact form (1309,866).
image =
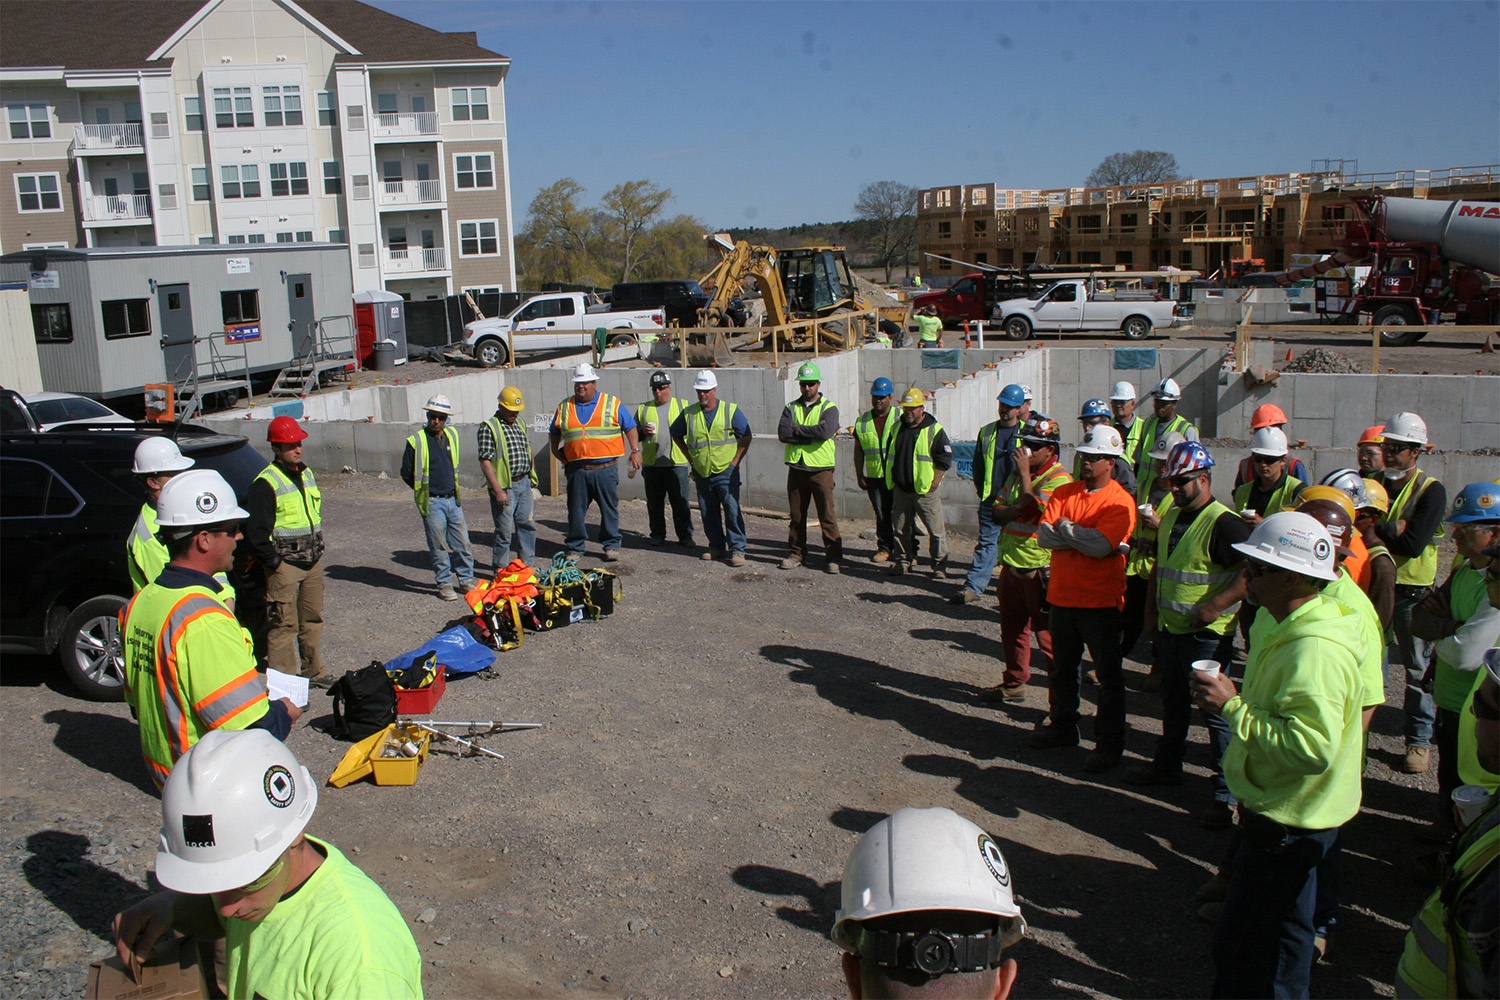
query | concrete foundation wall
(1226,306)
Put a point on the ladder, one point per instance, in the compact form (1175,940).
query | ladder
(330,354)
(227,370)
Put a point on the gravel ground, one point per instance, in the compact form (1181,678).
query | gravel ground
(709,756)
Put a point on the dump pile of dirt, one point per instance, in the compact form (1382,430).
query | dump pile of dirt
(1324,362)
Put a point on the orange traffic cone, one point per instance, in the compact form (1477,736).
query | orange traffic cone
(1288,354)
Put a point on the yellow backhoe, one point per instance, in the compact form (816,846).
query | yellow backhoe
(797,283)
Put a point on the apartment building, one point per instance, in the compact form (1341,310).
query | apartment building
(1190,224)
(175,122)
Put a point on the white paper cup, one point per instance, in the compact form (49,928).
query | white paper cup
(1248,511)
(1146,509)
(1469,802)
(650,428)
(1209,668)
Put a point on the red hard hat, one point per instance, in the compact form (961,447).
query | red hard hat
(284,430)
(1372,435)
(1266,415)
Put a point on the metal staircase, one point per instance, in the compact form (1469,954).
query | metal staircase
(329,355)
(227,370)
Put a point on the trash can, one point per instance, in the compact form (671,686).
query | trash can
(385,355)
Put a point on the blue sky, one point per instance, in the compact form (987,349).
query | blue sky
(774,114)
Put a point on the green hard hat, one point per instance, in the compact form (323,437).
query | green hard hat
(809,373)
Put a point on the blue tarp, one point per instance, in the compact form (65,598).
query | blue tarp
(963,460)
(940,359)
(457,650)
(1134,358)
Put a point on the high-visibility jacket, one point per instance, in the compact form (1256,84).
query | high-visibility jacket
(147,556)
(1142,558)
(1440,958)
(1153,431)
(985,458)
(1372,552)
(1417,571)
(1131,438)
(875,443)
(1469,606)
(1287,493)
(421,468)
(922,470)
(711,445)
(813,454)
(298,532)
(1470,771)
(1186,577)
(501,461)
(929,329)
(645,413)
(596,439)
(1018,546)
(189,669)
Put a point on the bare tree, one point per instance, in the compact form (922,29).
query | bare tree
(1144,166)
(891,207)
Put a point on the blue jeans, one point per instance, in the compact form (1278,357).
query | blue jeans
(597,484)
(513,520)
(448,541)
(986,550)
(1176,654)
(668,484)
(880,500)
(719,507)
(1415,654)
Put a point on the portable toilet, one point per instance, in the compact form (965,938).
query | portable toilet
(380,317)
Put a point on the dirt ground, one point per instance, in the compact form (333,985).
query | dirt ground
(709,756)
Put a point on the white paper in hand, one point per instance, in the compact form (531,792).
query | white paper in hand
(280,685)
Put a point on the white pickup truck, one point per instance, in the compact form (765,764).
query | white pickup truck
(1073,305)
(554,321)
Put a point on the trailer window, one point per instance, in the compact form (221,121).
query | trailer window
(52,323)
(240,307)
(125,318)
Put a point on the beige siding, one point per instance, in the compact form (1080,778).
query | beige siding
(467,206)
(19,228)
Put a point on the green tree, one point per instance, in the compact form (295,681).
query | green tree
(1143,166)
(630,210)
(561,239)
(623,239)
(890,208)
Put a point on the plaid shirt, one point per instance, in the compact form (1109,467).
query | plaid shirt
(517,448)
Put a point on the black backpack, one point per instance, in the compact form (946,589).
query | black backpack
(364,703)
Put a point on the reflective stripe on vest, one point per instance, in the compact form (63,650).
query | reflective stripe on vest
(145,552)
(922,472)
(299,512)
(597,439)
(1287,492)
(875,444)
(651,447)
(1418,571)
(1146,443)
(1142,558)
(710,442)
(1439,959)
(1018,545)
(423,465)
(814,455)
(1186,578)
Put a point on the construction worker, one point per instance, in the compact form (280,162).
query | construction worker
(1022,590)
(927,907)
(157,459)
(873,433)
(1294,759)
(1164,418)
(1130,426)
(929,328)
(590,431)
(1410,531)
(994,461)
(505,460)
(1085,525)
(1348,483)
(1377,578)
(1368,457)
(807,426)
(715,436)
(1096,413)
(299,919)
(1271,486)
(664,465)
(1268,416)
(430,467)
(1194,593)
(919,456)
(1458,620)
(188,664)
(1153,499)
(284,542)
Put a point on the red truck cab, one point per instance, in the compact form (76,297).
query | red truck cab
(959,303)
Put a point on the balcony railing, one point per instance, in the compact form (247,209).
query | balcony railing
(107,137)
(409,123)
(119,208)
(426,192)
(412,260)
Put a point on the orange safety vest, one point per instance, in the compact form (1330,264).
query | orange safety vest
(600,438)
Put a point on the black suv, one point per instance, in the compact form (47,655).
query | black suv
(67,504)
(679,299)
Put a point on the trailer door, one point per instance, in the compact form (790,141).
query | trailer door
(176,312)
(299,306)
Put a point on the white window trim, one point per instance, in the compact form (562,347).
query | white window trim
(62,245)
(323,178)
(478,222)
(494,176)
(469,103)
(209,173)
(56,177)
(202,115)
(46,118)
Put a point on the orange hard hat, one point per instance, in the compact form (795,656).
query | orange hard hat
(1371,435)
(284,430)
(1266,415)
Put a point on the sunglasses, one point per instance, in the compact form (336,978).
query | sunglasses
(1267,459)
(1259,569)
(437,416)
(1397,446)
(233,529)
(1182,482)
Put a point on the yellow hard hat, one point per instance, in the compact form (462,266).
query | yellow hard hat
(913,397)
(1333,493)
(511,399)
(1379,498)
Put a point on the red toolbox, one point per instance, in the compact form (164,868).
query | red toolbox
(420,701)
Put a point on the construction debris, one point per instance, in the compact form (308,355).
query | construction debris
(1324,362)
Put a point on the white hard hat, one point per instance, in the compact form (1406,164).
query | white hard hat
(1165,444)
(585,373)
(233,803)
(1102,439)
(199,496)
(705,380)
(1168,389)
(1408,428)
(925,859)
(1026,393)
(1122,391)
(1270,441)
(159,454)
(439,404)
(1292,540)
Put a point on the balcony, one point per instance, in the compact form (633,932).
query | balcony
(416,260)
(400,194)
(407,125)
(108,138)
(117,210)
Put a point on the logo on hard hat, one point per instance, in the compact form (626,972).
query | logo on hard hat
(207,503)
(279,786)
(1320,550)
(993,859)
(1485,500)
(198,831)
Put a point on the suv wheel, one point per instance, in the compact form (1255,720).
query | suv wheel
(90,649)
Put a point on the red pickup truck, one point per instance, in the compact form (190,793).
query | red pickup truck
(973,297)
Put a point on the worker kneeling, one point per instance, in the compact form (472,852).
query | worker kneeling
(300,920)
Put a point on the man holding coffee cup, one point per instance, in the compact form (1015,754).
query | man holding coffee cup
(664,465)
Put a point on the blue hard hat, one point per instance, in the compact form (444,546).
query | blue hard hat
(882,387)
(1094,408)
(1476,502)
(1012,395)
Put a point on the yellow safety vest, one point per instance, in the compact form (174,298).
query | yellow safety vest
(874,443)
(710,441)
(1152,432)
(298,531)
(1418,571)
(147,556)
(922,471)
(422,466)
(1286,493)
(984,456)
(1186,578)
(1439,959)
(814,456)
(651,447)
(1142,558)
(1018,546)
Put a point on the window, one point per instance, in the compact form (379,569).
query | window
(945,230)
(1128,220)
(981,227)
(471,104)
(283,105)
(28,121)
(328,112)
(390,173)
(475,171)
(240,307)
(192,113)
(385,104)
(944,198)
(333,178)
(304,236)
(241,182)
(337,236)
(1126,257)
(1185,258)
(38,193)
(132,112)
(367,255)
(395,238)
(159,127)
(288,179)
(52,323)
(1090,223)
(362,187)
(202,189)
(166,196)
(356,115)
(979,196)
(140,182)
(257,237)
(125,318)
(237,238)
(981,258)
(545,308)
(1089,257)
(478,239)
(206,241)
(233,108)
(34,490)
(284,237)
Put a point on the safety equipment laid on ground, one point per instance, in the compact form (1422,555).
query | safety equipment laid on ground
(569,594)
(706,380)
(1164,447)
(1269,442)
(1293,541)
(882,387)
(1094,408)
(394,754)
(1406,428)
(1266,415)
(512,400)
(156,455)
(1012,395)
(233,803)
(809,373)
(1122,392)
(285,430)
(1102,440)
(420,686)
(197,497)
(364,702)
(439,404)
(1188,456)
(1476,502)
(456,650)
(1167,389)
(1350,482)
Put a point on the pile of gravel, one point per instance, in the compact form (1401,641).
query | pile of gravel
(1324,362)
